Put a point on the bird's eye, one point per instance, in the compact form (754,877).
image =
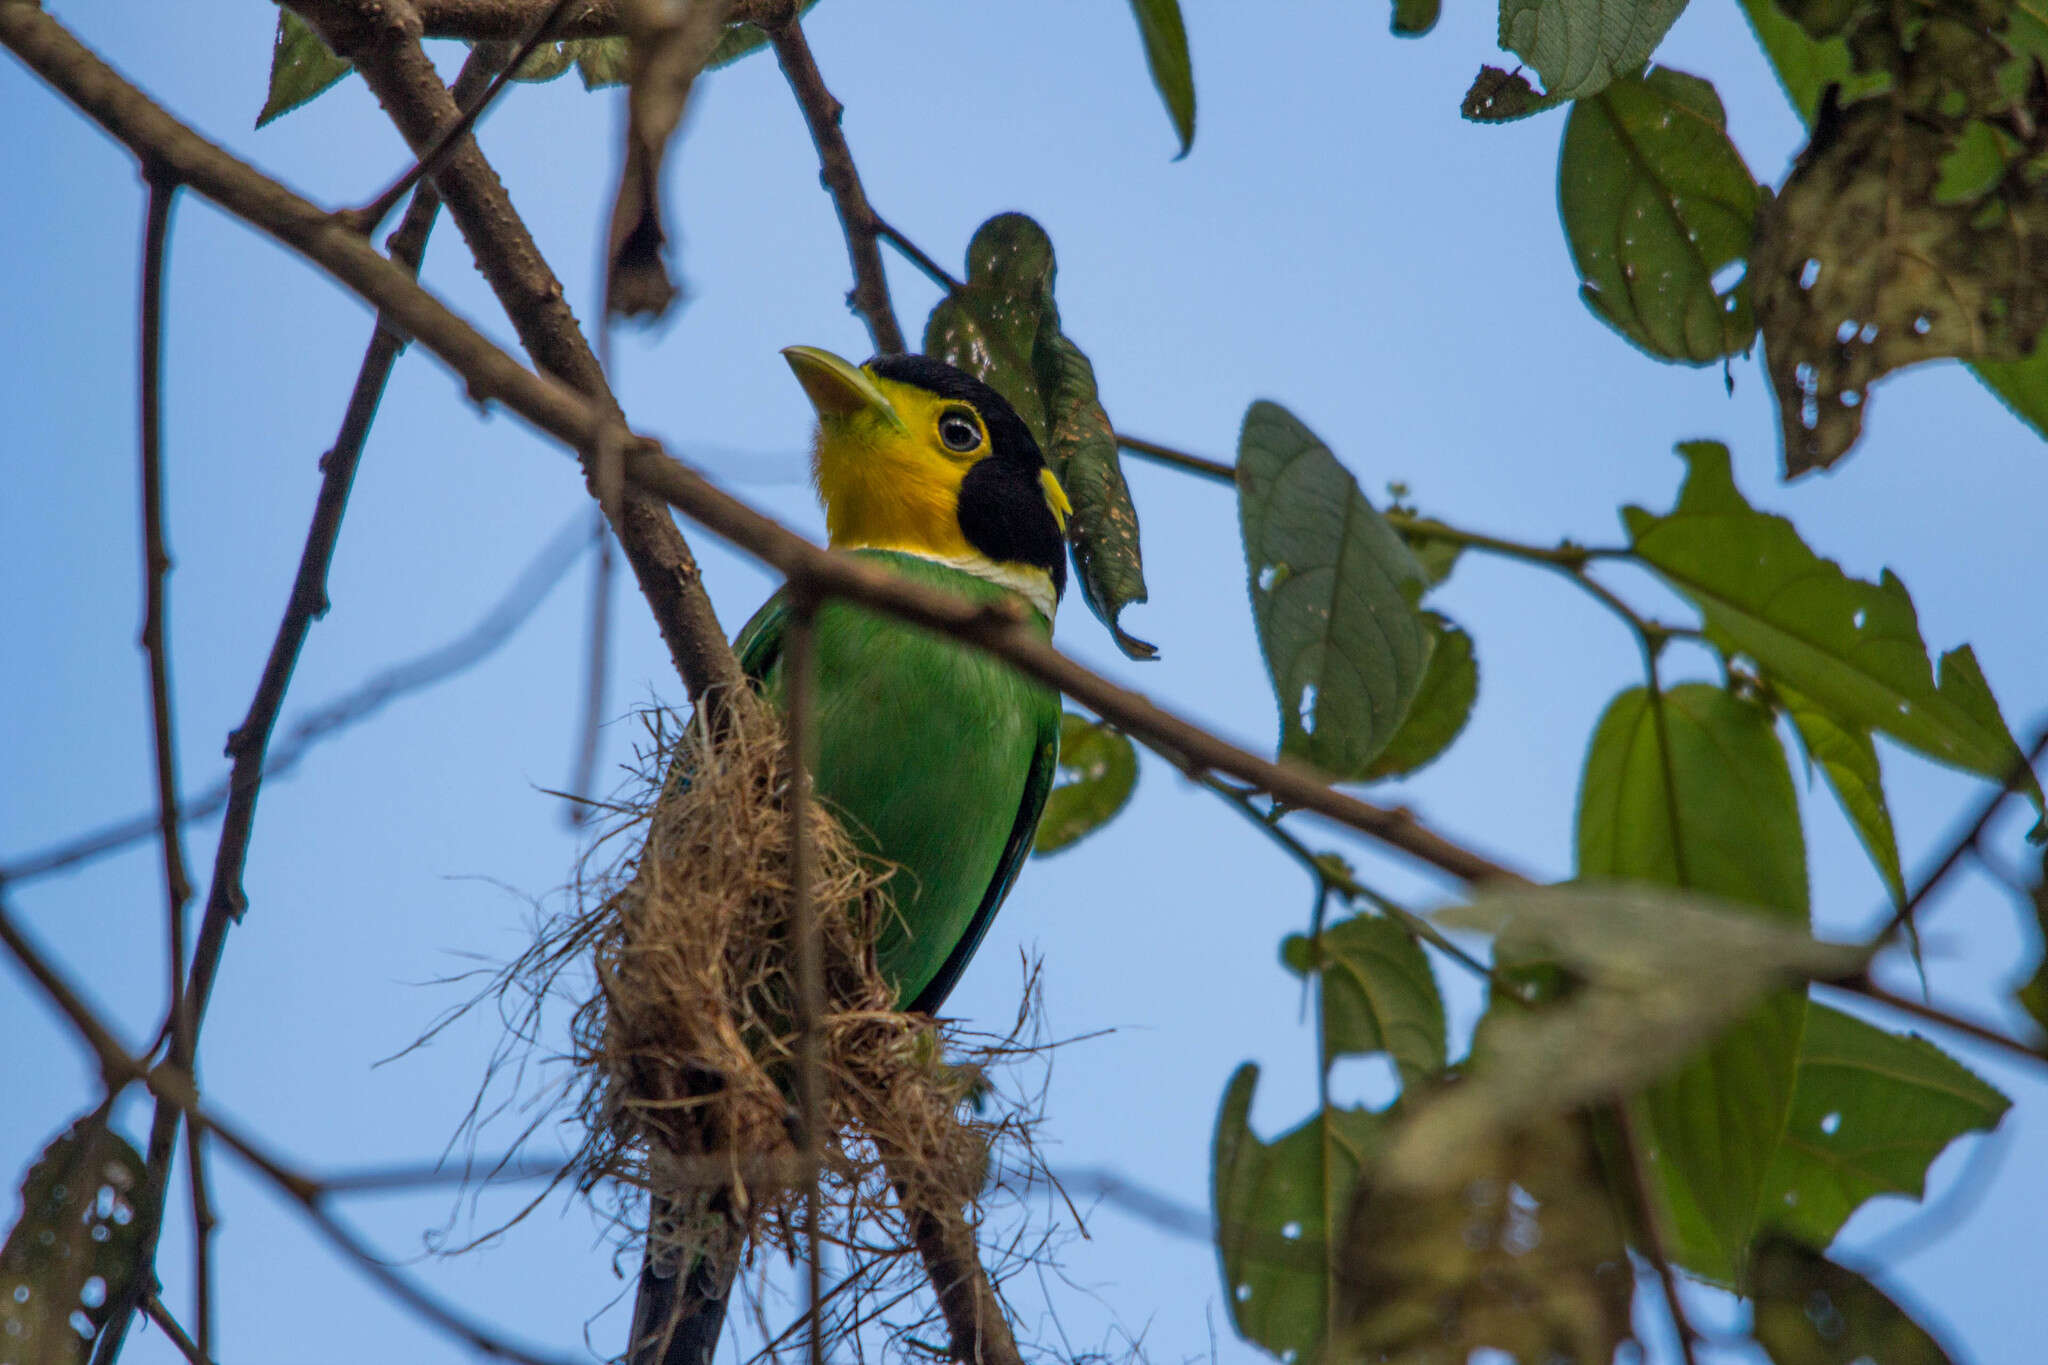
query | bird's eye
(959,433)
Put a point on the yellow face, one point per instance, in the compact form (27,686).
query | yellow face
(890,458)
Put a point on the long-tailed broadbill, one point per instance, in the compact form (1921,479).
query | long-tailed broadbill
(935,756)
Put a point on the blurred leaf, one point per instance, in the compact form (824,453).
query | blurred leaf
(1578,46)
(1166,54)
(1651,975)
(1694,791)
(2033,994)
(1499,96)
(1333,591)
(989,326)
(601,62)
(1848,759)
(1517,1247)
(1436,555)
(1098,769)
(1811,1311)
(1851,648)
(1279,1206)
(1443,702)
(1086,459)
(742,39)
(545,62)
(1870,1112)
(1656,201)
(76,1226)
(1413,18)
(1379,994)
(301,67)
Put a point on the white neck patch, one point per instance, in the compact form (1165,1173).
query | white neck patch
(1033,584)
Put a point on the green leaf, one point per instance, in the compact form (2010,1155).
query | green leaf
(1851,648)
(1086,459)
(1443,703)
(1166,55)
(301,67)
(545,62)
(1870,1112)
(1333,591)
(989,326)
(1499,96)
(1848,759)
(1516,1247)
(1650,976)
(1655,201)
(1578,46)
(1279,1207)
(742,39)
(1098,769)
(2032,994)
(1413,18)
(1694,791)
(76,1225)
(601,62)
(1811,1311)
(1378,995)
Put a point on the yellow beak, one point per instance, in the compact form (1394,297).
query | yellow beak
(837,388)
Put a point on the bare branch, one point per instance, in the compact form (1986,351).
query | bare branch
(547,404)
(1179,459)
(505,20)
(154,1308)
(1649,1220)
(857,220)
(597,660)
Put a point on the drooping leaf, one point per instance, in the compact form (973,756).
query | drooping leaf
(545,63)
(1333,591)
(1443,702)
(1578,46)
(301,67)
(1088,462)
(1656,201)
(1517,1247)
(1378,994)
(1098,769)
(1166,56)
(1652,975)
(76,1226)
(1279,1207)
(989,326)
(601,62)
(1499,96)
(1413,18)
(1870,1112)
(1812,1311)
(1851,648)
(1693,790)
(1848,759)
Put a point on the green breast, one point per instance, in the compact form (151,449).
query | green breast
(929,752)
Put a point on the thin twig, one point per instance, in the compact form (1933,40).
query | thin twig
(154,1308)
(203,1223)
(1870,990)
(1653,1231)
(366,218)
(573,418)
(1179,459)
(810,976)
(857,219)
(506,20)
(583,783)
(915,254)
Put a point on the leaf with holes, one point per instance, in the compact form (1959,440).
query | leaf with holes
(1578,46)
(1848,760)
(1870,1112)
(1082,449)
(1279,1209)
(1333,593)
(1516,1247)
(1443,702)
(1812,1311)
(1656,201)
(1851,648)
(1166,56)
(1378,994)
(77,1227)
(301,67)
(1692,790)
(1098,770)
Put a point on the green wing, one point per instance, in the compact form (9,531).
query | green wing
(1045,763)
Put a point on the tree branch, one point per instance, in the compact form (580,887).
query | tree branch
(857,219)
(506,20)
(490,374)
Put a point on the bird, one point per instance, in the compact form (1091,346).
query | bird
(937,757)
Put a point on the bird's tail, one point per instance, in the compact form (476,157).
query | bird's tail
(693,1254)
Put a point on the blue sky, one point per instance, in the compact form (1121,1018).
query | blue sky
(1339,240)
